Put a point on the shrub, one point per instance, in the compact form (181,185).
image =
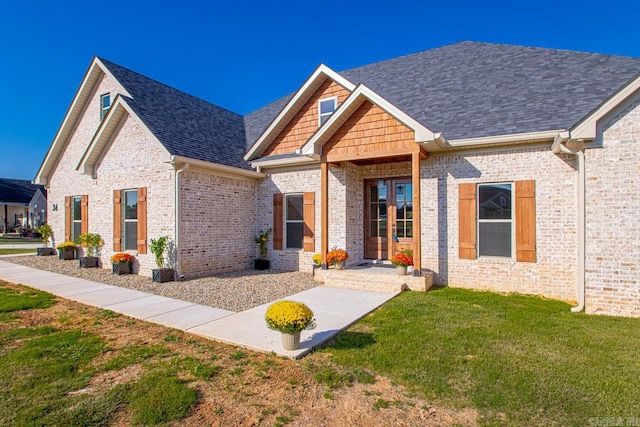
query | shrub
(92,242)
(158,247)
(67,246)
(289,317)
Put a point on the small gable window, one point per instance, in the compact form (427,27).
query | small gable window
(105,104)
(326,107)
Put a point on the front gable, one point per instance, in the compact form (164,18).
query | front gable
(306,121)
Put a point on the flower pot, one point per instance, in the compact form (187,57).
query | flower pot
(261,264)
(290,341)
(161,275)
(67,255)
(45,251)
(402,270)
(339,265)
(89,262)
(121,268)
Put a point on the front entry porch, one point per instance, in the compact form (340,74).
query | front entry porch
(376,277)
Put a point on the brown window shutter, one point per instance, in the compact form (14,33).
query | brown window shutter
(142,220)
(309,221)
(84,224)
(68,226)
(117,220)
(278,219)
(526,221)
(467,221)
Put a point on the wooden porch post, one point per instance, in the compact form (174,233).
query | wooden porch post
(417,229)
(324,211)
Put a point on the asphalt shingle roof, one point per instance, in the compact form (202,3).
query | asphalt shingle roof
(187,126)
(18,191)
(470,90)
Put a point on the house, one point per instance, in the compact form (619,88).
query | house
(22,204)
(502,167)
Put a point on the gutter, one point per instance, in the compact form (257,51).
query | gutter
(176,239)
(559,146)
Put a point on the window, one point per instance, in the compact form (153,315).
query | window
(76,218)
(130,218)
(105,104)
(294,221)
(326,107)
(495,220)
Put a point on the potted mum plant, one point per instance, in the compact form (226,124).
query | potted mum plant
(337,257)
(402,260)
(91,243)
(67,250)
(159,248)
(45,233)
(262,263)
(121,263)
(289,318)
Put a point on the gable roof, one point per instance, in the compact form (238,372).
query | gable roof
(187,126)
(18,191)
(474,90)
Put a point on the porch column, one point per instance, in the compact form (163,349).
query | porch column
(324,211)
(417,229)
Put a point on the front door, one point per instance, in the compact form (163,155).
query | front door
(388,217)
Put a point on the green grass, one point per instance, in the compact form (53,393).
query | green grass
(160,398)
(16,251)
(518,360)
(23,299)
(17,240)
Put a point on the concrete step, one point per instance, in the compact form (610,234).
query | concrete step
(374,279)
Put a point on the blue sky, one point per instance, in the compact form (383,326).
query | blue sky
(243,55)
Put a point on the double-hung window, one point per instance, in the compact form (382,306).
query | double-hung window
(76,217)
(495,220)
(294,221)
(130,218)
(326,107)
(105,104)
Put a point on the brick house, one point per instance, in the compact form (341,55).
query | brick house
(502,167)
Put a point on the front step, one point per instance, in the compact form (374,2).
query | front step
(375,279)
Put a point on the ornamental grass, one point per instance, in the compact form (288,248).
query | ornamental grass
(121,258)
(289,317)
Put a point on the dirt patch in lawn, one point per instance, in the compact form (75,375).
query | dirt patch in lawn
(235,386)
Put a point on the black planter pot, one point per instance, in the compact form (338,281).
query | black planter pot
(45,251)
(67,255)
(261,264)
(121,268)
(89,262)
(161,275)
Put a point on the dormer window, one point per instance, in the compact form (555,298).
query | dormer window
(326,107)
(105,103)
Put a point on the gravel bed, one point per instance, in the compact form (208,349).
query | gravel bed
(236,291)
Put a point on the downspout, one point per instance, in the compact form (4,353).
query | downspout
(559,146)
(179,172)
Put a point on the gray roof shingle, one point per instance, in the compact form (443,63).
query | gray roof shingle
(18,191)
(470,89)
(187,126)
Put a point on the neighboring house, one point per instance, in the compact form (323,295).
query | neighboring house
(501,167)
(22,204)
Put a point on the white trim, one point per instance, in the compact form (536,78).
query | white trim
(314,145)
(502,139)
(327,115)
(103,110)
(512,220)
(299,98)
(293,221)
(586,128)
(125,220)
(303,160)
(215,167)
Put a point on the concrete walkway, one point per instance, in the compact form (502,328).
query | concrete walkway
(334,309)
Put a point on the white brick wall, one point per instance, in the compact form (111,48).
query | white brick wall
(613,215)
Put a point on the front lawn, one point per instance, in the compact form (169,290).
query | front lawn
(17,240)
(16,251)
(518,360)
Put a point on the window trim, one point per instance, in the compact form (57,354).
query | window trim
(512,220)
(327,115)
(104,110)
(292,221)
(73,217)
(125,220)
